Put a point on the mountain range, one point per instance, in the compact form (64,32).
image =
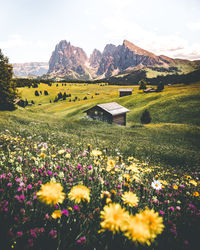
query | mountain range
(72,63)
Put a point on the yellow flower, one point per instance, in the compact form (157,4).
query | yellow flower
(111,163)
(96,152)
(56,214)
(53,156)
(127,177)
(68,156)
(114,217)
(133,167)
(79,193)
(42,155)
(163,182)
(130,199)
(175,187)
(196,194)
(153,220)
(193,182)
(51,193)
(137,230)
(105,194)
(61,151)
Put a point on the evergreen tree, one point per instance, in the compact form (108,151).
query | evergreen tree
(145,118)
(64,96)
(8,90)
(143,84)
(160,87)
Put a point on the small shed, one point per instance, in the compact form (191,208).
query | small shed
(149,90)
(109,112)
(125,92)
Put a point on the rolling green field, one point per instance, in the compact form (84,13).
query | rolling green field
(172,139)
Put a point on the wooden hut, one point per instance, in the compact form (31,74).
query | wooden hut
(109,112)
(125,92)
(149,90)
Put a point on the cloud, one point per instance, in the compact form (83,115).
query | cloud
(170,45)
(194,26)
(19,49)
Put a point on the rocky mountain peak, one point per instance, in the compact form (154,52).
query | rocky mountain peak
(95,58)
(109,50)
(67,59)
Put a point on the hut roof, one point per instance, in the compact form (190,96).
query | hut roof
(113,108)
(125,90)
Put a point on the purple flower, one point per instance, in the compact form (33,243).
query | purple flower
(19,233)
(81,240)
(49,172)
(29,186)
(90,167)
(171,209)
(53,234)
(161,212)
(76,207)
(65,212)
(29,203)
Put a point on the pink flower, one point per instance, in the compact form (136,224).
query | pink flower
(49,172)
(76,207)
(53,234)
(19,158)
(19,233)
(161,212)
(81,240)
(171,209)
(29,186)
(65,212)
(9,184)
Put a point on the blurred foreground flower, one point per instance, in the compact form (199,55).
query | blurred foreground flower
(51,193)
(144,226)
(114,217)
(79,193)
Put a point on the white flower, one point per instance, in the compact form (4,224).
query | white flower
(156,185)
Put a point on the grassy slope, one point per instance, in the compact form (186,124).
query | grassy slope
(172,139)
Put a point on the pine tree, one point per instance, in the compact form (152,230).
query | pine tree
(143,84)
(8,90)
(160,87)
(145,118)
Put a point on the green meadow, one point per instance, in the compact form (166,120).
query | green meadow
(172,139)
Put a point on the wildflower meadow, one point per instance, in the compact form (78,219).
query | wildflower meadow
(78,196)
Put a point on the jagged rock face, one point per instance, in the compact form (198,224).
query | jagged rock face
(67,59)
(95,58)
(71,61)
(125,56)
(30,69)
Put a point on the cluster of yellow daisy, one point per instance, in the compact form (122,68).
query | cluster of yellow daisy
(141,228)
(51,193)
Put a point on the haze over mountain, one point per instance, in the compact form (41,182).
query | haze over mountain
(30,69)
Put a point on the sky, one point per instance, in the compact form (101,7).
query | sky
(30,29)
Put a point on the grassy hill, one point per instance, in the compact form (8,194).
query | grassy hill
(172,139)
